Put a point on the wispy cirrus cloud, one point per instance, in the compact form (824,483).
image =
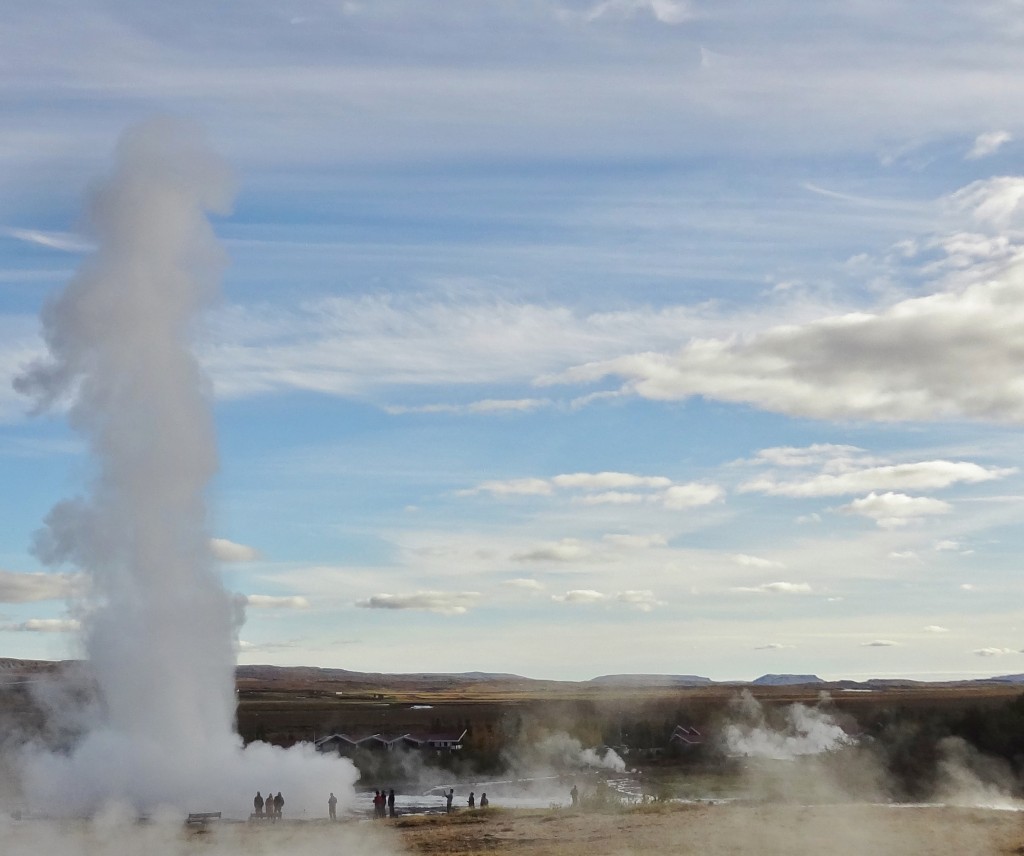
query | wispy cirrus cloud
(43,625)
(780,587)
(443,603)
(63,241)
(756,561)
(988,144)
(922,475)
(583,596)
(525,584)
(29,588)
(266,601)
(486,406)
(664,11)
(643,600)
(608,488)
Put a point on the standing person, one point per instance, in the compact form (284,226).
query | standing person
(391,802)
(484,802)
(269,805)
(332,805)
(472,800)
(449,797)
(257,805)
(278,804)
(574,795)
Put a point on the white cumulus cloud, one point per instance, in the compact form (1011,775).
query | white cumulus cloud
(951,354)
(28,588)
(566,550)
(228,551)
(890,510)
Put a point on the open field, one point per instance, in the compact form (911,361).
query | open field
(289,712)
(709,830)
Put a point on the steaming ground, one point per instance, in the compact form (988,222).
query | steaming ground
(710,830)
(158,627)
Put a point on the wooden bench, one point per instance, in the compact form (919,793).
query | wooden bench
(201,818)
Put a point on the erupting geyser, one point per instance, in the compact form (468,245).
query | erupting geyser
(158,625)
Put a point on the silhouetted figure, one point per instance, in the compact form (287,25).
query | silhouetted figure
(391,802)
(484,802)
(449,797)
(472,800)
(380,802)
(575,795)
(278,804)
(332,805)
(257,804)
(268,805)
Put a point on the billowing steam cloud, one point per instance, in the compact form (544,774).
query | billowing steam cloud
(158,626)
(806,731)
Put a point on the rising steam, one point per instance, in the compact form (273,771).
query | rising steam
(805,731)
(158,625)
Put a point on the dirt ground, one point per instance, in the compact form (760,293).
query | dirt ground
(710,830)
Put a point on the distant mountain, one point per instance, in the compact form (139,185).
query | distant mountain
(314,674)
(1007,679)
(295,678)
(786,680)
(652,680)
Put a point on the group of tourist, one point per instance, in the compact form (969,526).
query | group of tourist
(269,807)
(384,803)
(471,802)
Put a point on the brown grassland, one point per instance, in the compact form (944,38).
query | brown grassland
(707,829)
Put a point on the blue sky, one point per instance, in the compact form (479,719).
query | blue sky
(566,338)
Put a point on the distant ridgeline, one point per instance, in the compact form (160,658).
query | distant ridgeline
(786,680)
(11,667)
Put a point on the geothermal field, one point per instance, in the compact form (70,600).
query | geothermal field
(146,731)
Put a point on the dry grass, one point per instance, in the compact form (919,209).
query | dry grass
(716,830)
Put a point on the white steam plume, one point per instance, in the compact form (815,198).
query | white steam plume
(806,731)
(159,625)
